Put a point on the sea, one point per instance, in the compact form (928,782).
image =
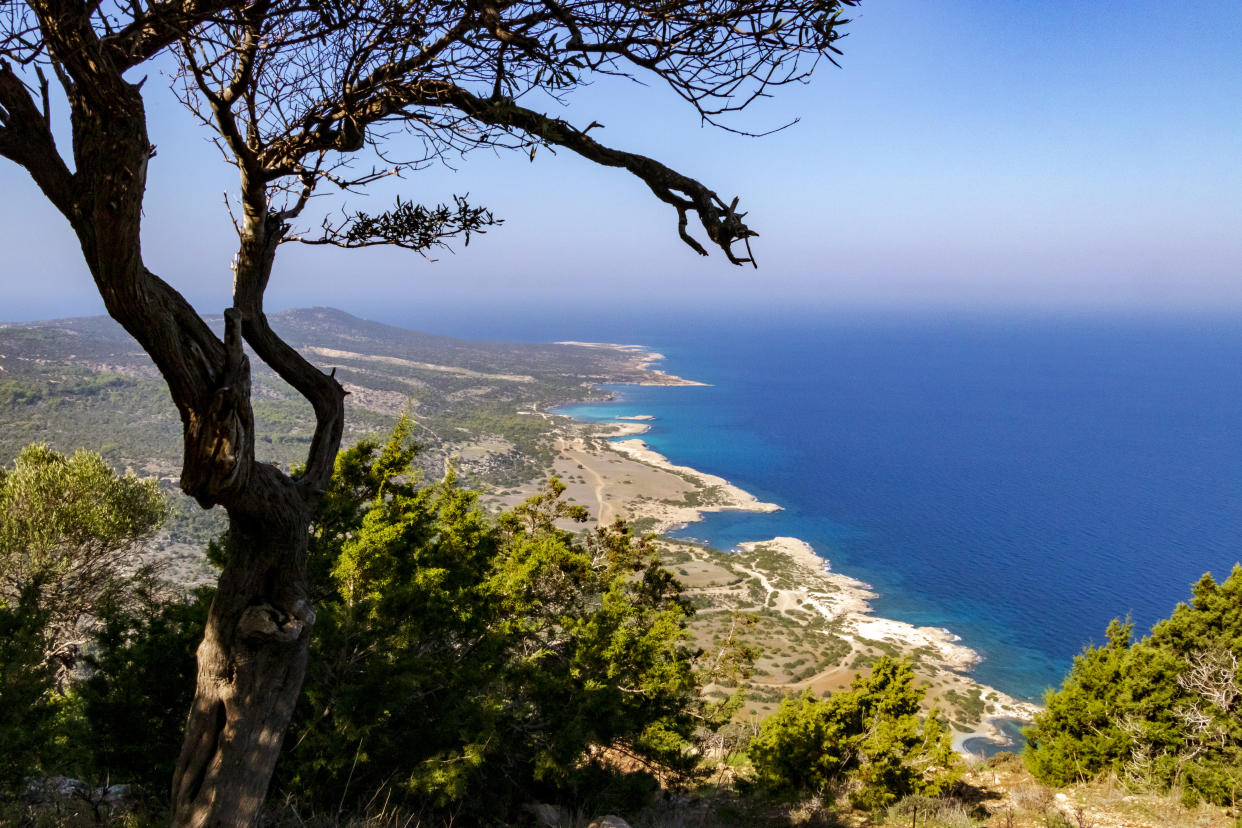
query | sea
(1018,480)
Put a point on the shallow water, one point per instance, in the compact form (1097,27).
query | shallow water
(1012,731)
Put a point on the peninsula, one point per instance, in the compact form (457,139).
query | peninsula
(815,628)
(488,410)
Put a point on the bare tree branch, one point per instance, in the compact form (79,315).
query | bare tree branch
(722,223)
(411,226)
(26,138)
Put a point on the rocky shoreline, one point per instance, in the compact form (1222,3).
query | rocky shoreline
(609,469)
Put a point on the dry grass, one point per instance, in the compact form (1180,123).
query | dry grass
(1009,797)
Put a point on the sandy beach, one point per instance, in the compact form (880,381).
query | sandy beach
(625,478)
(725,496)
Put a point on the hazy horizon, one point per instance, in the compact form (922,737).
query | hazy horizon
(981,158)
(648,325)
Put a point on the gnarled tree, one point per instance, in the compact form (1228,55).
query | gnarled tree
(293,90)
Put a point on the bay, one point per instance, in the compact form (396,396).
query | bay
(1019,481)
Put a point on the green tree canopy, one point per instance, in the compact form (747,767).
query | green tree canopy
(465,664)
(469,663)
(869,741)
(69,531)
(1164,710)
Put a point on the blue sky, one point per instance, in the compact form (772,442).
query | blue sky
(979,156)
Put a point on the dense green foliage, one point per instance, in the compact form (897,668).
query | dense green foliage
(869,741)
(26,685)
(68,530)
(68,527)
(469,664)
(140,683)
(462,664)
(1162,711)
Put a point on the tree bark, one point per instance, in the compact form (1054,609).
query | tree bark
(253,656)
(251,661)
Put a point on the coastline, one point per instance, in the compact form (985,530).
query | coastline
(818,629)
(729,497)
(642,358)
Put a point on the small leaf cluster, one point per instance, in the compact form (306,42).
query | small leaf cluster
(413,226)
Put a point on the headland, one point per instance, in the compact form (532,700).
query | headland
(814,627)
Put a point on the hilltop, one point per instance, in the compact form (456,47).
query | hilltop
(85,382)
(484,408)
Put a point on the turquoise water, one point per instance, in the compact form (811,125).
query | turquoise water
(1020,482)
(1011,733)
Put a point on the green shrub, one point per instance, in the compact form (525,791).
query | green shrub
(1158,711)
(869,739)
(27,713)
(140,686)
(468,664)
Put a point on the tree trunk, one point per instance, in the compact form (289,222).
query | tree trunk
(250,664)
(253,656)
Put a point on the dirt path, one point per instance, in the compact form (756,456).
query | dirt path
(786,599)
(607,512)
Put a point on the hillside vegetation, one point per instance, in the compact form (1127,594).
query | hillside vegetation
(481,658)
(84,382)
(67,382)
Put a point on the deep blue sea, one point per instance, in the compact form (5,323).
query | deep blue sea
(1018,481)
